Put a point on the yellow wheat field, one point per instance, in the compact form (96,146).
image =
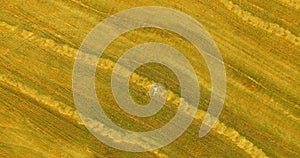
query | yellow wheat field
(259,42)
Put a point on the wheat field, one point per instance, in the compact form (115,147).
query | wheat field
(258,40)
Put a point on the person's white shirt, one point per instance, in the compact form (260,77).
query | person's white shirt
(155,91)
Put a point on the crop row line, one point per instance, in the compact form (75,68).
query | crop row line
(272,28)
